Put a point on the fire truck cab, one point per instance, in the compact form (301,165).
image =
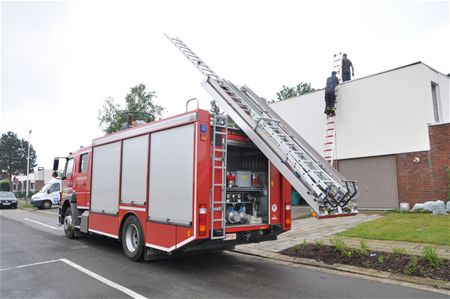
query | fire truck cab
(174,186)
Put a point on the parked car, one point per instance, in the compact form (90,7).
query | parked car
(8,200)
(48,195)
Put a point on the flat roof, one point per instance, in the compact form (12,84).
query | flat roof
(376,74)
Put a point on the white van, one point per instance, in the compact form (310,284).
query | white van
(48,195)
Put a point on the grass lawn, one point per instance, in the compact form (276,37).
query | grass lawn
(410,227)
(23,204)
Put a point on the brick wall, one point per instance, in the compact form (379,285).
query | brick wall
(428,179)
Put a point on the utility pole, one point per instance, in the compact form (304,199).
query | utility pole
(28,167)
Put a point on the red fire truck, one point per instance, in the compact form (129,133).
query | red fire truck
(150,187)
(199,181)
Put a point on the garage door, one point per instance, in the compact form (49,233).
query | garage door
(377,180)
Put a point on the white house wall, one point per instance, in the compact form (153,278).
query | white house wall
(382,114)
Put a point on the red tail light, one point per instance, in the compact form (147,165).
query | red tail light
(202,220)
(287,215)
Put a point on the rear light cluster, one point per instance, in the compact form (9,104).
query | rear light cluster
(287,215)
(202,220)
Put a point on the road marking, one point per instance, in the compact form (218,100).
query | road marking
(106,281)
(29,265)
(46,225)
(50,213)
(103,279)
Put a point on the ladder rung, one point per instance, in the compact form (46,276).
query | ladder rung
(219,185)
(219,150)
(329,136)
(327,150)
(329,142)
(330,129)
(331,122)
(327,157)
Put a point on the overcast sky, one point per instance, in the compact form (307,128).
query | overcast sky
(60,60)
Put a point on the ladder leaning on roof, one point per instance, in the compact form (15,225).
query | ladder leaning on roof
(323,187)
(329,144)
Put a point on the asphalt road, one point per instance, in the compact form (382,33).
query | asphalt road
(94,267)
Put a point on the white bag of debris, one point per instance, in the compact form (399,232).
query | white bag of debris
(448,206)
(437,207)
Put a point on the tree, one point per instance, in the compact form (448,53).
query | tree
(287,92)
(139,105)
(13,155)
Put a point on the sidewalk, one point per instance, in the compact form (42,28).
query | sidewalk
(309,229)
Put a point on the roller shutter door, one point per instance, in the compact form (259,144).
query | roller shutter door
(377,180)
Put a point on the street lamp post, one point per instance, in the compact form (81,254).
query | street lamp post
(28,167)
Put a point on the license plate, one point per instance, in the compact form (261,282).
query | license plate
(6,203)
(229,237)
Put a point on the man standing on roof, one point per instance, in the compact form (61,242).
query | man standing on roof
(330,94)
(346,65)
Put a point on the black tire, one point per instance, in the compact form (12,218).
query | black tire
(46,204)
(133,239)
(15,206)
(69,230)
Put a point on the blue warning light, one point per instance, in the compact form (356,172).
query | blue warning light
(203,128)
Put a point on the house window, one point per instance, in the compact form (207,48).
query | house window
(435,95)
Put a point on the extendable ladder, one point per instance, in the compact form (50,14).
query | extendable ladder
(329,145)
(219,171)
(322,186)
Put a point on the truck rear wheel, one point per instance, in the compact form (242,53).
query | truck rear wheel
(69,229)
(133,239)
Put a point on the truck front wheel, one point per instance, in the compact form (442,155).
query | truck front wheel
(69,230)
(133,239)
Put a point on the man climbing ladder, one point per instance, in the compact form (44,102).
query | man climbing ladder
(330,94)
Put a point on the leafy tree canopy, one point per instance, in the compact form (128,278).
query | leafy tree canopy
(287,92)
(13,155)
(139,105)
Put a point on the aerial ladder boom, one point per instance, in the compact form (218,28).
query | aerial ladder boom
(323,187)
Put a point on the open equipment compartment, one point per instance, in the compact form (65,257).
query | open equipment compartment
(247,180)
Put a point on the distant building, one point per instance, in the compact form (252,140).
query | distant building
(37,180)
(392,133)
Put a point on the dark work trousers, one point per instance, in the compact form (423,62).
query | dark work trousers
(346,76)
(330,98)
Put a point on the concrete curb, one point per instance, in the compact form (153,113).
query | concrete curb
(441,285)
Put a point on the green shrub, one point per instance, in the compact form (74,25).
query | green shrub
(318,244)
(363,248)
(412,266)
(398,251)
(431,255)
(380,259)
(296,248)
(4,185)
(342,247)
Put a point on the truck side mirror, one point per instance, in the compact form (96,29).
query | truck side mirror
(55,164)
